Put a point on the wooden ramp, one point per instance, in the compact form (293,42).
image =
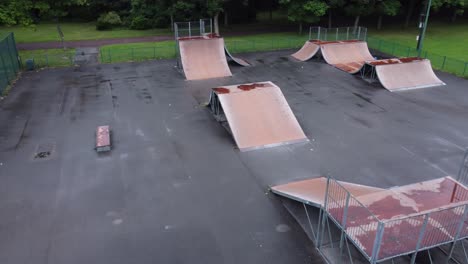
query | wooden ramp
(203,58)
(257,115)
(405,73)
(307,52)
(347,56)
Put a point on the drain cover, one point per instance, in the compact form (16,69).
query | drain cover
(44,151)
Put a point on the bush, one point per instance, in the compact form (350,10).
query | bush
(108,21)
(140,22)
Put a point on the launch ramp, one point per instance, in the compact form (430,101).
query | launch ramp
(203,58)
(257,115)
(403,74)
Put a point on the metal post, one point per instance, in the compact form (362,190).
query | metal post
(132,55)
(459,229)
(47,60)
(324,215)
(318,33)
(344,219)
(407,52)
(154,52)
(464,69)
(377,243)
(189,30)
(443,62)
(336,34)
(109,55)
(347,33)
(420,238)
(393,49)
(359,33)
(423,27)
(310,32)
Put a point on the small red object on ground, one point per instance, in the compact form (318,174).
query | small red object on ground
(103,142)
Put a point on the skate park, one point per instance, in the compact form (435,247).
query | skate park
(178,178)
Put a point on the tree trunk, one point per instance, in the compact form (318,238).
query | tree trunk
(356,24)
(216,24)
(379,22)
(329,18)
(226,21)
(300,28)
(172,23)
(271,10)
(409,13)
(454,16)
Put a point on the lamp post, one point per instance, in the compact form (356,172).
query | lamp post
(422,26)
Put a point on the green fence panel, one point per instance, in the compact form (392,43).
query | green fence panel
(9,64)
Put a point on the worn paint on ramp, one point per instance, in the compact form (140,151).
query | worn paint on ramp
(258,115)
(203,58)
(405,74)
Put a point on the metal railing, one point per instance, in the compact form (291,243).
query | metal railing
(408,234)
(9,61)
(337,34)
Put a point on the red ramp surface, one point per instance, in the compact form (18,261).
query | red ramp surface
(405,74)
(203,58)
(258,115)
(307,51)
(347,56)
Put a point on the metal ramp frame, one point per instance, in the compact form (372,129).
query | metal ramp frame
(345,229)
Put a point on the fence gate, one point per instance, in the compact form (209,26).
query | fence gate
(9,63)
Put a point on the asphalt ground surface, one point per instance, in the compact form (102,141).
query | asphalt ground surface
(174,188)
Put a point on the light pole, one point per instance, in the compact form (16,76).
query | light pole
(422,26)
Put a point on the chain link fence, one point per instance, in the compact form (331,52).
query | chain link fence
(62,58)
(9,63)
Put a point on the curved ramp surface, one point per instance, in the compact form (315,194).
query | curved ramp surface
(307,51)
(237,60)
(347,56)
(258,115)
(407,75)
(203,58)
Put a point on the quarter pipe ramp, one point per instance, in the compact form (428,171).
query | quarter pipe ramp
(307,51)
(347,56)
(203,58)
(405,73)
(257,115)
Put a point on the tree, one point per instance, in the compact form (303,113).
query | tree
(332,5)
(305,11)
(386,7)
(213,8)
(458,7)
(358,8)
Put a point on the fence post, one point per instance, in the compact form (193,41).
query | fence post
(420,238)
(377,242)
(15,49)
(347,33)
(359,33)
(407,52)
(154,52)
(47,60)
(336,34)
(318,34)
(443,62)
(464,69)
(425,54)
(310,32)
(109,55)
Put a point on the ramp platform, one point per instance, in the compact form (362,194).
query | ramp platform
(203,57)
(256,114)
(403,73)
(385,224)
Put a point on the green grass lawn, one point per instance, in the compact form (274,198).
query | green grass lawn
(166,49)
(49,57)
(446,39)
(74,31)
